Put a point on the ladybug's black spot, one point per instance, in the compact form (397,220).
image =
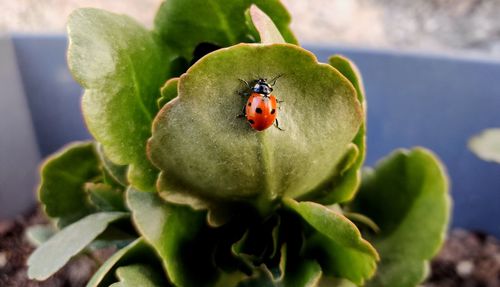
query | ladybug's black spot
(249,104)
(258,110)
(273,111)
(251,122)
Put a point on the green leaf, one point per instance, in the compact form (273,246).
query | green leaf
(357,217)
(336,241)
(175,233)
(117,172)
(218,22)
(106,198)
(268,32)
(220,157)
(140,275)
(487,145)
(122,68)
(136,252)
(407,196)
(59,249)
(260,240)
(302,273)
(38,234)
(262,277)
(351,72)
(168,92)
(345,184)
(63,178)
(280,270)
(335,282)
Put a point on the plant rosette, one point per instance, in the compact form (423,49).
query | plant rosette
(191,195)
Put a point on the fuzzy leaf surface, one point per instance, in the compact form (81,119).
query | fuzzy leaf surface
(122,68)
(406,195)
(220,157)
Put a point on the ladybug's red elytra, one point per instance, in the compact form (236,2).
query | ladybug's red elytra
(261,107)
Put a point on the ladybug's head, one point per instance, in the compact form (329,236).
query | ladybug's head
(262,87)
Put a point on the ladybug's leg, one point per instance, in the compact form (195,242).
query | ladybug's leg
(276,124)
(243,113)
(243,94)
(246,83)
(279,102)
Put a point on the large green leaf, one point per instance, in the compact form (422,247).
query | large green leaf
(344,185)
(175,233)
(336,242)
(486,145)
(140,275)
(183,25)
(63,178)
(122,68)
(218,156)
(407,196)
(60,248)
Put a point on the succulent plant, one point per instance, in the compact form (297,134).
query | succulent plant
(190,195)
(486,145)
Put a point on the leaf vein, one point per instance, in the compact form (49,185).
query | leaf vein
(137,90)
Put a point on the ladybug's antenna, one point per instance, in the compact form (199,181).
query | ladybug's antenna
(245,82)
(273,81)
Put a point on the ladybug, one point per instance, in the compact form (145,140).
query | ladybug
(261,107)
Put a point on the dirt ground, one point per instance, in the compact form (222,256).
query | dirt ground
(467,260)
(15,249)
(449,26)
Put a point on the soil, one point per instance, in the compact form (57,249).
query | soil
(468,259)
(15,250)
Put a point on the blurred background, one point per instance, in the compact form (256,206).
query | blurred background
(465,26)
